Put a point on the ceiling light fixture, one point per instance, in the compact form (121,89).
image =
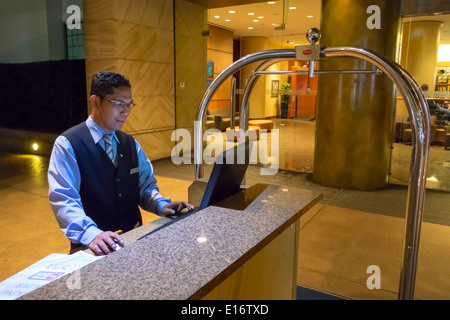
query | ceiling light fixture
(255,20)
(250,28)
(217,17)
(310,16)
(231,11)
(271,2)
(227,20)
(260,17)
(292,8)
(251,14)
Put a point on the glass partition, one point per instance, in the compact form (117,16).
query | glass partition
(282,102)
(296,125)
(283,24)
(423,56)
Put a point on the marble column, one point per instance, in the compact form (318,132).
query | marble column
(355,112)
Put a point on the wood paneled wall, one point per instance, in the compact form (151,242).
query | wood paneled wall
(136,38)
(220,51)
(190,57)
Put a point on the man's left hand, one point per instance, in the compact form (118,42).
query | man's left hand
(175,207)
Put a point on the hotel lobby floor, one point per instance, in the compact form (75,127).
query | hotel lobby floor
(340,237)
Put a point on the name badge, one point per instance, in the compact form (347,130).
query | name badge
(134,170)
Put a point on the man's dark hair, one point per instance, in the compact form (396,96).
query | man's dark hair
(104,82)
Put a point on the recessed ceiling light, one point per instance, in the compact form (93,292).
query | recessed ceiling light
(250,28)
(231,11)
(310,16)
(271,2)
(250,13)
(256,20)
(227,19)
(292,8)
(217,17)
(260,17)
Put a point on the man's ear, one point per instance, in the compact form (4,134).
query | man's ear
(95,101)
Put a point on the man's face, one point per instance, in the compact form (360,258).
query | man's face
(107,114)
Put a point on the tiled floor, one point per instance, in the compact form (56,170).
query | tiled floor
(342,236)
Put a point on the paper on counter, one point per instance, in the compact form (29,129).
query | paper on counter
(42,272)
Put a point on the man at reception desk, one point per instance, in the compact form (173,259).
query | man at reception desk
(99,176)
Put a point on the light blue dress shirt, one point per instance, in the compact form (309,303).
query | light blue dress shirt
(64,186)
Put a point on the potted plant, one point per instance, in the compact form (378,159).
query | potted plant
(285,91)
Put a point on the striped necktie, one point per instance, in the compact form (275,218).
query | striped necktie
(108,137)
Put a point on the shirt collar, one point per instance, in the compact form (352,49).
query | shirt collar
(96,132)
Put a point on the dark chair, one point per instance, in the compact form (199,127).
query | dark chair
(447,138)
(406,134)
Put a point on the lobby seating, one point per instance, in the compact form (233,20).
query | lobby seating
(405,135)
(447,138)
(262,124)
(253,125)
(214,122)
(233,135)
(221,117)
(398,129)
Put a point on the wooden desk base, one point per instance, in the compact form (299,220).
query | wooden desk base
(271,274)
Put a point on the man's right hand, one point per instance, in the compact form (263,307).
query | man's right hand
(104,241)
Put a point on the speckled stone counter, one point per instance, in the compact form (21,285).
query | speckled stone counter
(189,258)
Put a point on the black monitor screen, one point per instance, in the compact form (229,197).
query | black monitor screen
(227,174)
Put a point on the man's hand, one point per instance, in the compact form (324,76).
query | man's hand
(104,241)
(175,207)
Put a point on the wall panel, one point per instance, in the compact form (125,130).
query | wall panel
(135,38)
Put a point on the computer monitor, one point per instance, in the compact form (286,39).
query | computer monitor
(227,174)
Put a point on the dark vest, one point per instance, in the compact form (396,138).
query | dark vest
(110,195)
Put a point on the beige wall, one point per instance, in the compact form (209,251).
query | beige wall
(136,38)
(257,100)
(190,52)
(420,44)
(220,51)
(271,104)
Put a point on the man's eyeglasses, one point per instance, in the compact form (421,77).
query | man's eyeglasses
(120,104)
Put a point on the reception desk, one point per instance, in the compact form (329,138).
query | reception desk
(244,248)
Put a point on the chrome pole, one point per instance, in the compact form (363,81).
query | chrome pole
(378,71)
(232,102)
(420,118)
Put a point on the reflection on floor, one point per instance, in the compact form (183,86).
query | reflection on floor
(340,237)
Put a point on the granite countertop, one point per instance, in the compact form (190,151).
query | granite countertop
(186,259)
